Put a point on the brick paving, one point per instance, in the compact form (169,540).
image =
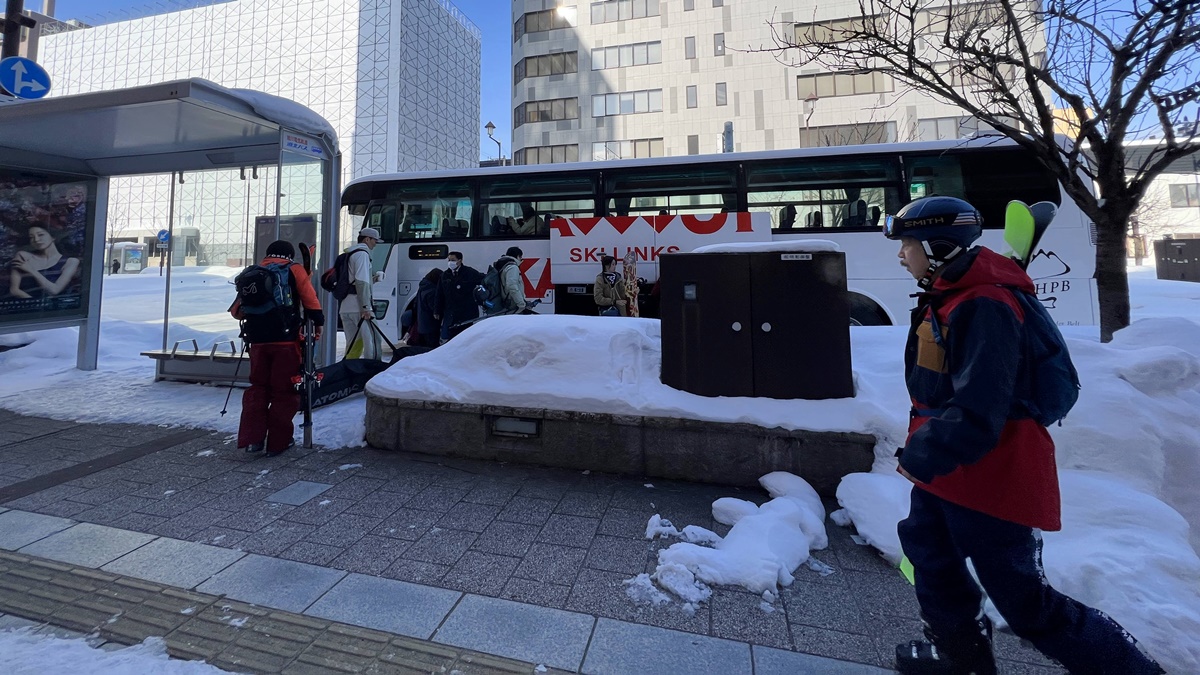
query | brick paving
(115,610)
(555,538)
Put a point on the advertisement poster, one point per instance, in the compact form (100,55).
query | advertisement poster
(45,222)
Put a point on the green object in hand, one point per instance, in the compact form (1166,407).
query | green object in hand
(906,570)
(1019,230)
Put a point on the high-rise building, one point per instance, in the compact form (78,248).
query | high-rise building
(649,78)
(397,79)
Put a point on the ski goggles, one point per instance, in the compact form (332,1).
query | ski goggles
(895,227)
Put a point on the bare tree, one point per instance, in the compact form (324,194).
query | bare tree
(1069,80)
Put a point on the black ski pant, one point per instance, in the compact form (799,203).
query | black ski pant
(939,536)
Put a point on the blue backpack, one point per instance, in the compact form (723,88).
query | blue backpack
(1051,382)
(269,311)
(489,294)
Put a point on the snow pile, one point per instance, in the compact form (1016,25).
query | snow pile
(24,653)
(765,545)
(801,245)
(611,365)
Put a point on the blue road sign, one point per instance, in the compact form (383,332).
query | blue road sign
(24,78)
(163,236)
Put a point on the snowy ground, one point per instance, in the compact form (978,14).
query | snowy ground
(1129,454)
(24,653)
(41,378)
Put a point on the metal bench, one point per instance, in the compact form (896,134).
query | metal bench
(215,366)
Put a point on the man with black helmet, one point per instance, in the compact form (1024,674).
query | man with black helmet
(985,480)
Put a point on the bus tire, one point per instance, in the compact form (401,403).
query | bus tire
(866,312)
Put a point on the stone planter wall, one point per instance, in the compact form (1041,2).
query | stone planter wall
(658,447)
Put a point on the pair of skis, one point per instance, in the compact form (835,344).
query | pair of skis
(1024,226)
(309,377)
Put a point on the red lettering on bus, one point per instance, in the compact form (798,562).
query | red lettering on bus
(743,222)
(621,223)
(659,223)
(576,255)
(561,226)
(545,282)
(585,225)
(702,224)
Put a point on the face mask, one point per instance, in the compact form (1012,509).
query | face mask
(451,264)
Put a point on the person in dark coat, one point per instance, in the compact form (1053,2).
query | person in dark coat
(456,294)
(985,483)
(428,326)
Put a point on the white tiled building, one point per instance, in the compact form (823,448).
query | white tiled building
(397,79)
(634,78)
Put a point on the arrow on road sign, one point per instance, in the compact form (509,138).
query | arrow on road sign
(20,83)
(24,78)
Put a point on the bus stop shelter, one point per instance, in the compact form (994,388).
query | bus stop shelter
(58,154)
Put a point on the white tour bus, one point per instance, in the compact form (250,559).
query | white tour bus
(565,216)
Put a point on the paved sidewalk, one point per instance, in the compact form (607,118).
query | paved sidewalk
(113,611)
(545,546)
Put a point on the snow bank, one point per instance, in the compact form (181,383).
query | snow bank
(799,245)
(24,653)
(611,365)
(765,545)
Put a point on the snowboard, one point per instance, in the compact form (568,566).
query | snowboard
(629,265)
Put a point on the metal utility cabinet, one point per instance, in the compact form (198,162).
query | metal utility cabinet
(1178,259)
(769,324)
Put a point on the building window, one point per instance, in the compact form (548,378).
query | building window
(828,85)
(963,75)
(546,111)
(693,145)
(719,44)
(689,47)
(549,19)
(718,3)
(960,17)
(623,56)
(722,96)
(946,128)
(623,10)
(839,30)
(691,96)
(689,5)
(627,103)
(848,134)
(645,147)
(559,63)
(1185,196)
(547,154)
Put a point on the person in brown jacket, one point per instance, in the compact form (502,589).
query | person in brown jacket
(609,292)
(275,336)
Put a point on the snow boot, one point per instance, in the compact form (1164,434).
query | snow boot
(964,652)
(291,444)
(253,447)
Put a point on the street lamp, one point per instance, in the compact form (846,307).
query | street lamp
(491,129)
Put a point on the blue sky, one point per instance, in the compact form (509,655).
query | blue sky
(492,17)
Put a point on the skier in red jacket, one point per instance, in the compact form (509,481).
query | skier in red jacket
(985,481)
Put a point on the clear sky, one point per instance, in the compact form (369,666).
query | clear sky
(492,17)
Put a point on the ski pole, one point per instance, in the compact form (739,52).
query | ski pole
(233,382)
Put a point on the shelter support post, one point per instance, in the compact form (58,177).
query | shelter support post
(87,356)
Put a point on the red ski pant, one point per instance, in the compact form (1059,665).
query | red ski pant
(271,402)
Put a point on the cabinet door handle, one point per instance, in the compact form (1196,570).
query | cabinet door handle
(766,327)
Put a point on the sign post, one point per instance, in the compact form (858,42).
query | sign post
(164,238)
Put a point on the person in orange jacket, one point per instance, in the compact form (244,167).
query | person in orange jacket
(275,338)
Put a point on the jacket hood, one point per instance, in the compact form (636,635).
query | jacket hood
(504,260)
(982,266)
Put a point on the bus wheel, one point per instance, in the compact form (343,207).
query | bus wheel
(866,312)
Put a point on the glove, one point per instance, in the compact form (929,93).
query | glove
(317,316)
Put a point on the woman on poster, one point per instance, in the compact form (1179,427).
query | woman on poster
(42,272)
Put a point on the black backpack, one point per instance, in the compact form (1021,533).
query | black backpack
(337,279)
(267,297)
(1051,380)
(489,294)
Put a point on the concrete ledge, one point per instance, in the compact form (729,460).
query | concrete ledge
(659,447)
